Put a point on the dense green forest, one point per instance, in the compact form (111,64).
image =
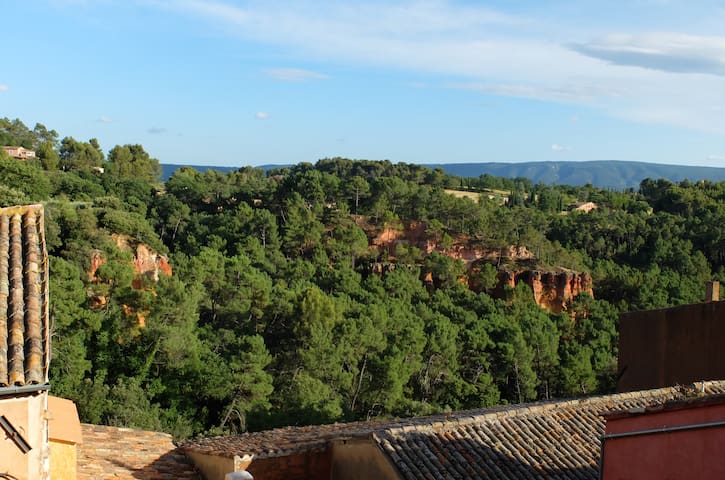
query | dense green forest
(277,313)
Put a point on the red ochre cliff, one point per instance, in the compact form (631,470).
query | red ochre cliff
(551,290)
(146,262)
(415,234)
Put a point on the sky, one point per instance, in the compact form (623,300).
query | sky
(234,83)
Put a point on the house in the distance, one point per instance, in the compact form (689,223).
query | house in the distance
(20,153)
(24,344)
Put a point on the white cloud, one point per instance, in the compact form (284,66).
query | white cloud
(668,52)
(294,74)
(104,119)
(156,130)
(4,88)
(716,158)
(635,76)
(261,115)
(555,147)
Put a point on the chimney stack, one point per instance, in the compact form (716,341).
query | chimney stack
(712,292)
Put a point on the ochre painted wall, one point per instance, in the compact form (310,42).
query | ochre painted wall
(689,454)
(360,459)
(27,414)
(680,345)
(64,431)
(63,460)
(212,467)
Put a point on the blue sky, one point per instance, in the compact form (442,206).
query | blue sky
(233,82)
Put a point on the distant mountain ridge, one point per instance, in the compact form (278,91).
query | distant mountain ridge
(616,174)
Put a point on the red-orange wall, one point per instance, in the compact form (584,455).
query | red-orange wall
(679,345)
(689,454)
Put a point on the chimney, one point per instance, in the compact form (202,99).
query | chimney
(712,291)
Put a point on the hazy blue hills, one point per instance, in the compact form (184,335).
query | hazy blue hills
(615,174)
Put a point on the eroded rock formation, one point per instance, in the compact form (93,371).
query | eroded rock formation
(415,234)
(147,263)
(552,290)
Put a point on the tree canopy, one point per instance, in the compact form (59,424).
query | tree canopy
(292,302)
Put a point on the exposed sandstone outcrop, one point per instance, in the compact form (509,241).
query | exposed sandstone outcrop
(146,262)
(552,290)
(415,234)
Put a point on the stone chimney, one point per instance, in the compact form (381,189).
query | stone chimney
(712,291)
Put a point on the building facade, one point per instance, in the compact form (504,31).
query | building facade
(20,153)
(679,440)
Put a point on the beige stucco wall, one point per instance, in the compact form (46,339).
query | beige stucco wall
(63,460)
(64,432)
(213,467)
(28,415)
(360,459)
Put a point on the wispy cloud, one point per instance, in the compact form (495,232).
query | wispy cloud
(567,93)
(716,158)
(666,77)
(555,147)
(261,115)
(104,119)
(156,130)
(668,52)
(294,74)
(4,88)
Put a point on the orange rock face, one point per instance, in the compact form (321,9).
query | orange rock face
(147,263)
(552,290)
(414,233)
(96,261)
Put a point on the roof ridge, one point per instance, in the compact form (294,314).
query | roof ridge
(471,417)
(21,209)
(289,439)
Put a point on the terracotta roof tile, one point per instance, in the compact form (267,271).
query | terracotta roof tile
(550,440)
(124,453)
(24,349)
(554,440)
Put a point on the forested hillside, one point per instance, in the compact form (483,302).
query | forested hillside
(280,309)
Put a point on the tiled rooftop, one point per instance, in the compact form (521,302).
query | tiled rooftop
(127,454)
(284,441)
(23,298)
(552,440)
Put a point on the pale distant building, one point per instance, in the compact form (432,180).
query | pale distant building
(20,153)
(585,207)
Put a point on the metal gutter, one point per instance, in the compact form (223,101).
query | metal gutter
(652,431)
(17,390)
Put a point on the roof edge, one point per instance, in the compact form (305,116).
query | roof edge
(469,417)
